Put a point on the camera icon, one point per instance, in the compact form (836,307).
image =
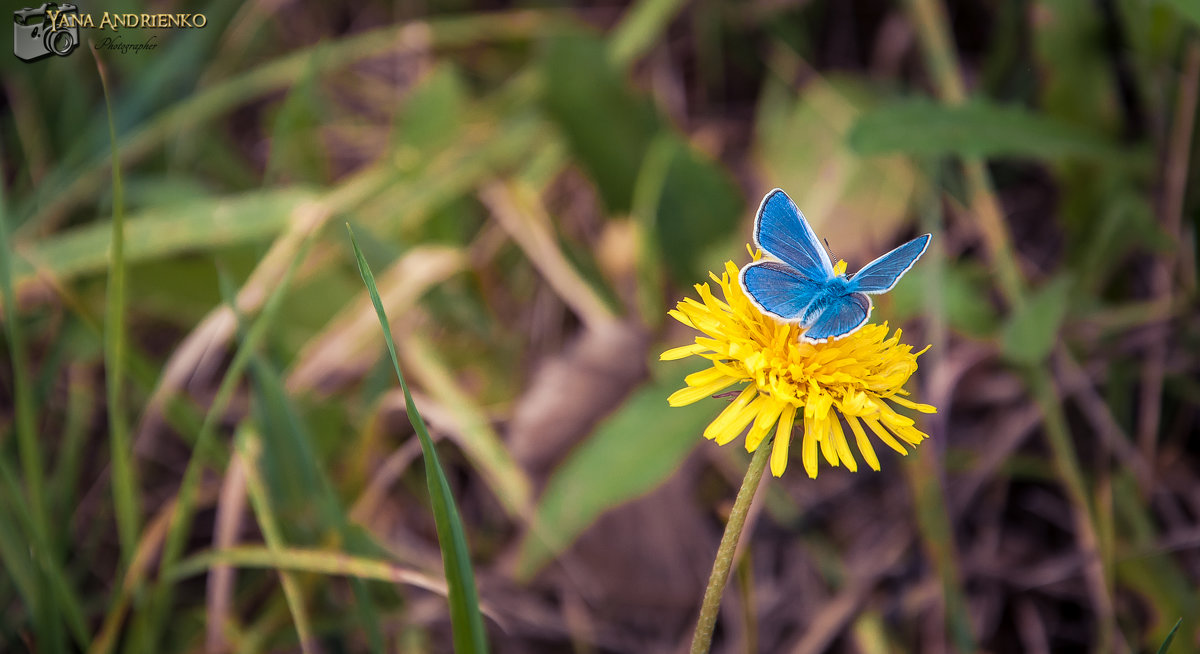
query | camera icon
(35,35)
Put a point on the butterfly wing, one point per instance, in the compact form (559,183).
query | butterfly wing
(781,231)
(778,289)
(881,275)
(842,316)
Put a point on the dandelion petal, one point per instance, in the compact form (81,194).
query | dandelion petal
(808,453)
(779,454)
(739,422)
(730,414)
(763,423)
(686,396)
(843,448)
(682,352)
(864,444)
(884,435)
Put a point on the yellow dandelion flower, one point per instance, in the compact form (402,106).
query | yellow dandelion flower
(859,377)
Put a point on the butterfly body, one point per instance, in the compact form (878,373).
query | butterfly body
(800,284)
(833,292)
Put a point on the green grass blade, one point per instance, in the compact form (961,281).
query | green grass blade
(161,232)
(1162,649)
(180,525)
(249,447)
(64,480)
(124,481)
(640,29)
(46,611)
(465,618)
(52,595)
(14,542)
(301,491)
(30,453)
(317,561)
(977,128)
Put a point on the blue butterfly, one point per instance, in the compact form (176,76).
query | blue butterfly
(802,286)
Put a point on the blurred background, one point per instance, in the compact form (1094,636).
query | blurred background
(535,186)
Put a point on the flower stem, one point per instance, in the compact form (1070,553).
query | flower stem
(702,638)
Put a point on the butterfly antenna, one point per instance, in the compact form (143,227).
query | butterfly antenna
(829,248)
